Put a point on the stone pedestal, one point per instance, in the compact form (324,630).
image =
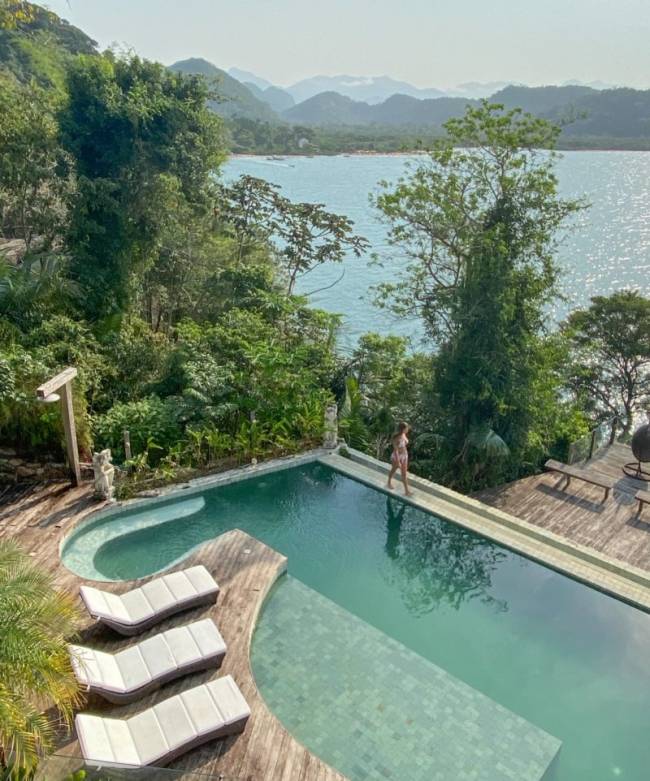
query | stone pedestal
(331,430)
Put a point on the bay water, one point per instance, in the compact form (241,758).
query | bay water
(608,247)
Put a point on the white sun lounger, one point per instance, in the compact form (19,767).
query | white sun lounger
(129,674)
(167,730)
(143,607)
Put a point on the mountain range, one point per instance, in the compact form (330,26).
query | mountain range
(327,114)
(583,110)
(376,89)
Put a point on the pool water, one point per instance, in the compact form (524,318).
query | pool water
(567,658)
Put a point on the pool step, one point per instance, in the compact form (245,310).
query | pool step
(376,710)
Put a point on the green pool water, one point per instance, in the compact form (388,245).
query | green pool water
(566,658)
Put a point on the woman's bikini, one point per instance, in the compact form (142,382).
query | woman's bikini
(400,453)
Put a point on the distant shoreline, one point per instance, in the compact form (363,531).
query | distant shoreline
(406,153)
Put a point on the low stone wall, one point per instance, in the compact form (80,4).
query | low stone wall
(16,469)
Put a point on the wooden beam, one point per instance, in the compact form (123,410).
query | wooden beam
(70,432)
(56,382)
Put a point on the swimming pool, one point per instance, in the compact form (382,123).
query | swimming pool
(567,658)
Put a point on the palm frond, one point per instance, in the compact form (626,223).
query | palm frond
(36,675)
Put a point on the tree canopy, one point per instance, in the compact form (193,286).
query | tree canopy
(610,355)
(479,224)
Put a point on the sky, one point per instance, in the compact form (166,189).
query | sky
(430,43)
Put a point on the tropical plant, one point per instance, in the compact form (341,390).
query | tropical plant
(609,344)
(307,235)
(36,623)
(32,290)
(479,222)
(149,420)
(135,132)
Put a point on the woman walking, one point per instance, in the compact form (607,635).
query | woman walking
(400,457)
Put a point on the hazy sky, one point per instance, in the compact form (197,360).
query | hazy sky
(431,43)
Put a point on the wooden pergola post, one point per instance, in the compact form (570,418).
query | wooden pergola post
(63,381)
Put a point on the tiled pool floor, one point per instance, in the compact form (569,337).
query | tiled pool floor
(376,710)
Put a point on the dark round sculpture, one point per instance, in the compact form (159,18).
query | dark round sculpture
(641,449)
(641,443)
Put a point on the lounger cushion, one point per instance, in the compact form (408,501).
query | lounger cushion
(153,735)
(134,671)
(157,656)
(181,586)
(148,738)
(104,603)
(106,741)
(158,594)
(209,642)
(134,667)
(202,709)
(145,602)
(229,700)
(182,646)
(137,607)
(201,579)
(175,722)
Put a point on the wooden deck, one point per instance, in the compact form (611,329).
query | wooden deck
(38,517)
(612,527)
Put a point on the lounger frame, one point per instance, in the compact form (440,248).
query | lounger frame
(160,760)
(130,629)
(124,698)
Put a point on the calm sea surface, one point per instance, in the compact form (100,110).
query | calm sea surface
(608,249)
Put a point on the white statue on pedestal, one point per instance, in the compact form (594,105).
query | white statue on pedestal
(331,432)
(104,474)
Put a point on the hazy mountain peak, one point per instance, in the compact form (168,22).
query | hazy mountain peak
(250,78)
(368,89)
(235,98)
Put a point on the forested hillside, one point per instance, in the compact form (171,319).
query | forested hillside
(232,99)
(174,294)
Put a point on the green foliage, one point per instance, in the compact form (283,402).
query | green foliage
(478,222)
(173,293)
(130,127)
(25,423)
(307,234)
(36,623)
(148,421)
(609,348)
(33,290)
(33,177)
(386,384)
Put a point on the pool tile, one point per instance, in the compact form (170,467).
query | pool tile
(376,710)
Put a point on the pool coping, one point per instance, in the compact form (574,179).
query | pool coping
(611,576)
(580,562)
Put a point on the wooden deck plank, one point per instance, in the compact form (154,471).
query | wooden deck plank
(578,513)
(38,518)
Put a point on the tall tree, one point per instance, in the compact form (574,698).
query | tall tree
(33,180)
(609,344)
(130,124)
(478,222)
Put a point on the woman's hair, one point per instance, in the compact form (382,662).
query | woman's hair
(401,428)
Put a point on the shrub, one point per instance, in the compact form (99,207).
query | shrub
(32,427)
(148,421)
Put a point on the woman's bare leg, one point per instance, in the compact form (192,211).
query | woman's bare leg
(405,480)
(393,469)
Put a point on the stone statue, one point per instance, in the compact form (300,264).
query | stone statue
(331,435)
(104,474)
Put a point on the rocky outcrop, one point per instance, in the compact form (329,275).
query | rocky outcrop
(14,469)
